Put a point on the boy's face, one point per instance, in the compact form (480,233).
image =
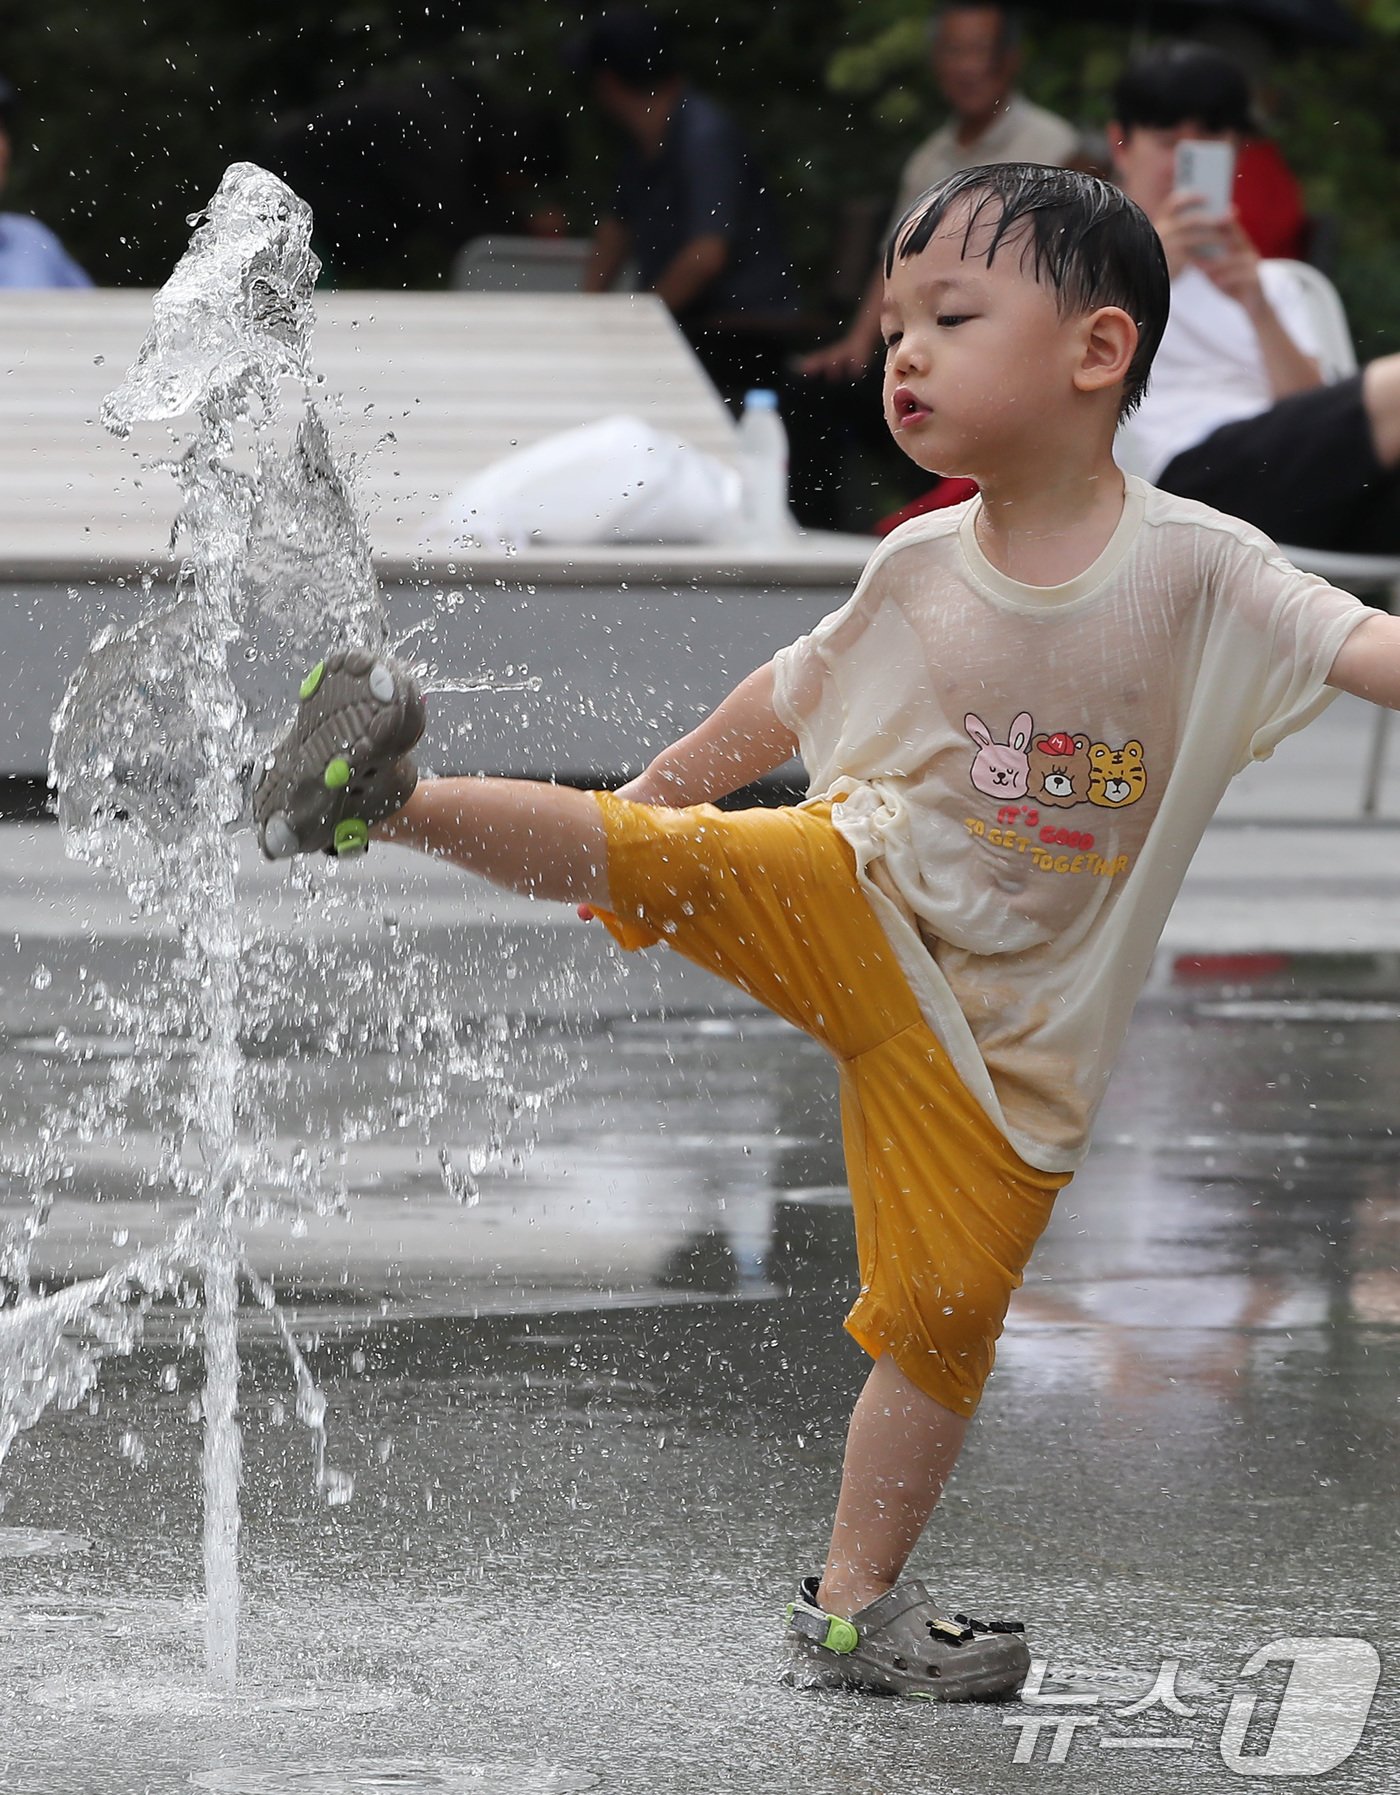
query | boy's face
(978,359)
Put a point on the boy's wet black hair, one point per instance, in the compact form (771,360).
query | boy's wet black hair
(1074,233)
(1183,84)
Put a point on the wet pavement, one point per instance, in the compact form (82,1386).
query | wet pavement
(594,1414)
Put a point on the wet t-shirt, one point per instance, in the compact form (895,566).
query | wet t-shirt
(1024,772)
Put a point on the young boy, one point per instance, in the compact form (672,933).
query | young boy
(1016,731)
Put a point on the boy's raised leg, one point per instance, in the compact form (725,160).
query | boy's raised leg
(900,1450)
(542,840)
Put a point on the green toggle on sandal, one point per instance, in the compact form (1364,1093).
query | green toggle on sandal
(344,762)
(901,1645)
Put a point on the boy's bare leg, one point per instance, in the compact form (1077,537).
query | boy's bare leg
(548,841)
(900,1449)
(543,840)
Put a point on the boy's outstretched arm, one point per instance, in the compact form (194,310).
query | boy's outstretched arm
(1368,662)
(740,740)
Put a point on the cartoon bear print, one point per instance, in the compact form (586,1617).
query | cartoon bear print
(1059,769)
(1000,769)
(1116,775)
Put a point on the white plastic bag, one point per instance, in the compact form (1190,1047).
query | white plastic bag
(616,480)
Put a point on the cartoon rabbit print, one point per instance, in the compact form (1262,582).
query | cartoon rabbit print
(1001,769)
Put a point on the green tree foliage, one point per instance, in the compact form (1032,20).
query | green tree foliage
(132,109)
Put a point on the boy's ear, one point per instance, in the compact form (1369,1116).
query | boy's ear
(1108,341)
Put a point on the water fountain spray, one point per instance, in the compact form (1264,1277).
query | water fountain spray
(153,750)
(152,744)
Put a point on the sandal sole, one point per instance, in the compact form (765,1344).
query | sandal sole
(347,732)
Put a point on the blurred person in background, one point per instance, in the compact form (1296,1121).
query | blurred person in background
(691,212)
(30,254)
(1208,85)
(833,406)
(1210,90)
(1240,413)
(976,60)
(1268,197)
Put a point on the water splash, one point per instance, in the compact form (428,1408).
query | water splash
(482,682)
(308,577)
(53,1345)
(234,317)
(152,751)
(152,745)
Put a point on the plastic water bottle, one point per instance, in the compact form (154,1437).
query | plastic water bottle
(763,464)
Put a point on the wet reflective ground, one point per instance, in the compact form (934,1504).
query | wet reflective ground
(594,1421)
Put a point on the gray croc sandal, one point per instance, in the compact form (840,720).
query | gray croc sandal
(901,1645)
(344,762)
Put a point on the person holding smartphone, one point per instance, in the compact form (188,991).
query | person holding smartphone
(1241,413)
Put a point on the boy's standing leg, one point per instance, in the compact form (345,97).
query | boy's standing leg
(900,1451)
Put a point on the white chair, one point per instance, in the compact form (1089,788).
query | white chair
(1368,576)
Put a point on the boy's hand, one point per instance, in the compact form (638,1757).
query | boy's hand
(585,914)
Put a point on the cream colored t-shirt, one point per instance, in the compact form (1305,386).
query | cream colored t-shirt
(1024,132)
(1024,772)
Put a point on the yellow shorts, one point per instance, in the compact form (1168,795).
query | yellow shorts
(946,1212)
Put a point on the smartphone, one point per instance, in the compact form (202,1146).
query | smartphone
(1207,169)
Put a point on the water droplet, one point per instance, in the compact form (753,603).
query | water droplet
(338,1487)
